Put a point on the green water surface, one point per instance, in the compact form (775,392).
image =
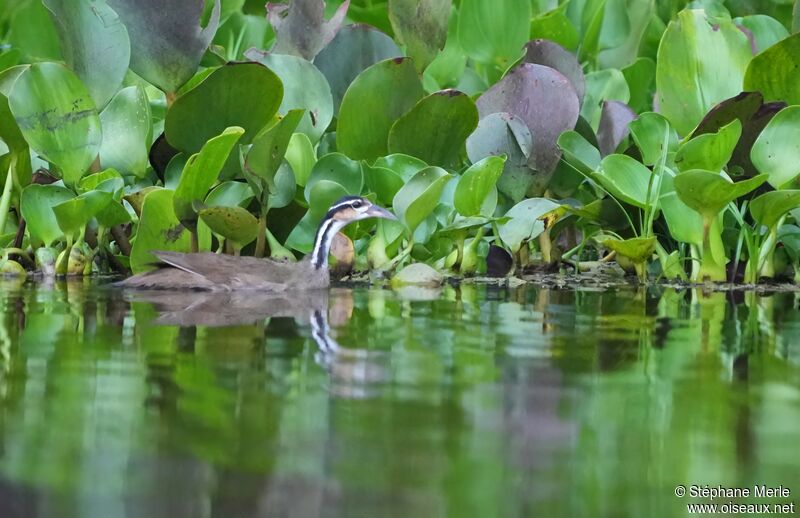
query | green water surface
(471,401)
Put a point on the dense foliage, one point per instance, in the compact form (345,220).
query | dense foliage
(532,132)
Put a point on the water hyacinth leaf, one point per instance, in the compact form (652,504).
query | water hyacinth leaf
(504,134)
(74,214)
(525,223)
(420,195)
(648,131)
(126,127)
(269,147)
(166,44)
(494,32)
(553,55)
(700,63)
(544,100)
(322,195)
(57,117)
(771,206)
(436,128)
(640,76)
(626,179)
(685,225)
(447,68)
(337,168)
(300,26)
(763,31)
(36,203)
(158,229)
(615,119)
(201,171)
(354,49)
(285,188)
(301,156)
(383,182)
(405,166)
(637,249)
(94,43)
(776,71)
(420,25)
(708,192)
(238,94)
(375,100)
(578,152)
(304,87)
(742,106)
(776,152)
(601,86)
(233,223)
(174,170)
(709,151)
(554,25)
(31,29)
(476,184)
(230,194)
(109,180)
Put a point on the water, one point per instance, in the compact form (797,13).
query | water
(474,401)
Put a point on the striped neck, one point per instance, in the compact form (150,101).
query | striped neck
(322,243)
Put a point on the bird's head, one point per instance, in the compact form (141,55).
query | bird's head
(355,208)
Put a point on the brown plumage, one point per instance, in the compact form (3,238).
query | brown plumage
(216,272)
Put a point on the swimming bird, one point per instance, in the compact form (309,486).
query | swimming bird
(216,272)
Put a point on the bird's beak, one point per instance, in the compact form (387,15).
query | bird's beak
(380,212)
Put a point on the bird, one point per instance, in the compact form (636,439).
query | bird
(216,272)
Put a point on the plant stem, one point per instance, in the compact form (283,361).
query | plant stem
(261,238)
(5,200)
(121,238)
(546,246)
(195,240)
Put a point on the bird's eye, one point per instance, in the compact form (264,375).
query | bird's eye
(357,204)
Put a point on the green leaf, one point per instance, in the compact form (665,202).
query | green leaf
(383,182)
(494,32)
(776,152)
(285,188)
(762,30)
(201,171)
(375,100)
(73,215)
(405,166)
(57,117)
(449,65)
(230,194)
(436,129)
(685,225)
(524,221)
(301,156)
(238,94)
(637,249)
(420,25)
(37,202)
(300,26)
(158,229)
(770,207)
(94,43)
(579,152)
(555,26)
(603,85)
(626,179)
(544,100)
(648,131)
(354,49)
(700,63)
(776,71)
(31,30)
(420,195)
(709,151)
(269,147)
(321,196)
(167,43)
(476,184)
(337,168)
(233,223)
(126,127)
(641,76)
(708,193)
(304,87)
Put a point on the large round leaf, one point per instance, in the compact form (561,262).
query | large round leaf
(700,63)
(36,203)
(126,127)
(776,152)
(776,71)
(709,151)
(238,94)
(626,179)
(542,98)
(602,86)
(57,117)
(494,32)
(417,198)
(553,55)
(685,224)
(167,41)
(233,223)
(158,229)
(269,147)
(375,100)
(436,129)
(300,26)
(476,185)
(708,193)
(524,221)
(94,43)
(421,25)
(337,168)
(304,87)
(768,208)
(353,50)
(74,214)
(615,119)
(505,134)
